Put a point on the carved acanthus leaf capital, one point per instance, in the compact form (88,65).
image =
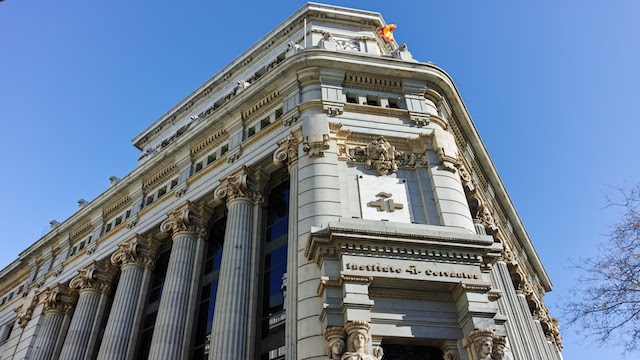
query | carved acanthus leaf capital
(96,276)
(189,217)
(238,185)
(59,298)
(140,250)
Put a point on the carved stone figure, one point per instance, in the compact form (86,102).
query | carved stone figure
(484,348)
(358,332)
(500,350)
(482,343)
(335,342)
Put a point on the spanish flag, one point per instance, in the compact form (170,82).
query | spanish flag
(387,32)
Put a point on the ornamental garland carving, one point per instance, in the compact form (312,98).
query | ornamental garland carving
(190,217)
(237,186)
(95,276)
(140,250)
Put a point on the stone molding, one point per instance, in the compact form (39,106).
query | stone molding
(59,298)
(98,275)
(189,217)
(140,250)
(81,231)
(157,179)
(209,143)
(238,185)
(117,207)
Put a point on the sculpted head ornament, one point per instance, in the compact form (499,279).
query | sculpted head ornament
(335,342)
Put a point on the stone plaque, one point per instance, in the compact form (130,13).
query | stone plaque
(384,198)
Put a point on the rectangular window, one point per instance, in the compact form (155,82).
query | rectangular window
(373,100)
(279,113)
(394,103)
(162,191)
(174,183)
(118,221)
(198,167)
(224,149)
(352,98)
(264,123)
(149,200)
(211,158)
(251,131)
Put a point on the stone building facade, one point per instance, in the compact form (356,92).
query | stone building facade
(324,196)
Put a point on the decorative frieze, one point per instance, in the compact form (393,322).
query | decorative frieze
(81,231)
(372,82)
(261,107)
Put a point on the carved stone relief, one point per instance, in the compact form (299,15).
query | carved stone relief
(485,345)
(358,338)
(315,145)
(335,337)
(96,276)
(140,250)
(287,152)
(190,217)
(237,186)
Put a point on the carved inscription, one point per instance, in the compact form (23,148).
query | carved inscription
(411,269)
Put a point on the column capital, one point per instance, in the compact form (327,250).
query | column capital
(140,250)
(59,298)
(240,184)
(287,152)
(189,217)
(96,276)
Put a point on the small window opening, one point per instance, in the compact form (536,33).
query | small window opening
(394,103)
(264,123)
(373,100)
(162,191)
(198,166)
(279,113)
(118,221)
(224,149)
(352,98)
(211,158)
(251,131)
(174,183)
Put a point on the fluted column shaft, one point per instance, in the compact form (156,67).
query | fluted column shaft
(172,313)
(49,332)
(77,341)
(121,319)
(135,256)
(231,315)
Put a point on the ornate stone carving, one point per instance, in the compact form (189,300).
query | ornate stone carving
(141,250)
(335,337)
(190,217)
(487,219)
(378,352)
(287,152)
(327,42)
(358,332)
(446,149)
(482,343)
(59,298)
(26,310)
(315,145)
(465,177)
(133,222)
(181,189)
(500,350)
(237,185)
(96,276)
(379,155)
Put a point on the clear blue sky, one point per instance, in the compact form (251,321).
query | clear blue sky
(551,85)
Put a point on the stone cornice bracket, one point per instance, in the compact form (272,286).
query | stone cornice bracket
(316,144)
(287,152)
(238,185)
(96,276)
(189,217)
(59,298)
(140,250)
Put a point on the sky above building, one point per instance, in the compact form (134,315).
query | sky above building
(550,85)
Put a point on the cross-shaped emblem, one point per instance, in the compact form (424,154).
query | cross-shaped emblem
(380,203)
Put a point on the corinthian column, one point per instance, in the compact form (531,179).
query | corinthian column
(188,228)
(58,303)
(94,284)
(134,256)
(231,315)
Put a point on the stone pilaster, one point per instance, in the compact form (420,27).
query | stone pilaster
(287,155)
(134,256)
(94,285)
(188,228)
(231,316)
(58,302)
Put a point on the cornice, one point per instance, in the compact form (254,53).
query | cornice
(376,110)
(82,231)
(159,178)
(367,81)
(260,107)
(209,143)
(116,207)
